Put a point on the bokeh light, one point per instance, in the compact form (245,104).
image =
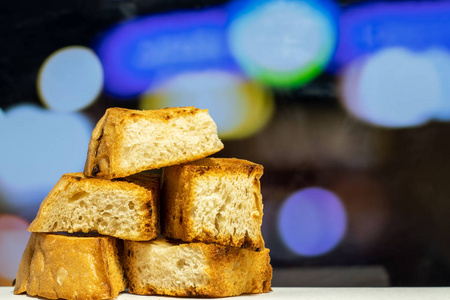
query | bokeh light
(392,88)
(143,52)
(239,107)
(370,27)
(11,222)
(440,58)
(282,43)
(13,240)
(70,79)
(312,221)
(38,146)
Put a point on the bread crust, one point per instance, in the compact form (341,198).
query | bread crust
(144,187)
(104,157)
(56,266)
(179,200)
(229,271)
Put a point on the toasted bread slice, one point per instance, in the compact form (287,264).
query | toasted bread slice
(127,208)
(195,269)
(126,142)
(56,266)
(213,200)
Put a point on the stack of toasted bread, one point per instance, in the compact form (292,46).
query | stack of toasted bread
(195,232)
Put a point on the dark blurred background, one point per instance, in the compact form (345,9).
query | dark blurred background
(346,105)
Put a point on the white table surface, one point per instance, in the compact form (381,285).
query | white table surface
(6,293)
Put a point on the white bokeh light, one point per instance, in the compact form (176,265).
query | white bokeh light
(283,41)
(440,58)
(70,79)
(393,88)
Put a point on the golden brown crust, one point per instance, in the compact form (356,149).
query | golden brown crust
(178,195)
(240,263)
(230,271)
(103,156)
(145,186)
(56,266)
(176,202)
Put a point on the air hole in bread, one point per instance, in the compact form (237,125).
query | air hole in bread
(228,199)
(78,196)
(131,205)
(181,263)
(108,207)
(102,222)
(106,214)
(216,223)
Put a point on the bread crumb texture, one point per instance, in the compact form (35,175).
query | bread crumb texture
(214,200)
(126,142)
(56,266)
(127,208)
(195,269)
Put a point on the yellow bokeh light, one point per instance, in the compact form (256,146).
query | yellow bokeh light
(239,107)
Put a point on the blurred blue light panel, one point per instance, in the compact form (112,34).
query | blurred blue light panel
(312,221)
(367,28)
(38,146)
(283,43)
(139,54)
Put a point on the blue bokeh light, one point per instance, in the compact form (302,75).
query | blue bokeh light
(143,52)
(312,221)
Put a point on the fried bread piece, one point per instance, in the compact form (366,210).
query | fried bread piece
(127,208)
(126,141)
(57,266)
(195,269)
(213,200)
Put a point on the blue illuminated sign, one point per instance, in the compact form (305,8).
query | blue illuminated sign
(140,53)
(370,27)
